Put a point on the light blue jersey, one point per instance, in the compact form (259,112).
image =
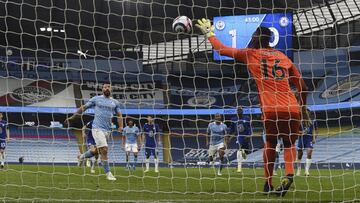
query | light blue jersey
(104,111)
(131,134)
(216,132)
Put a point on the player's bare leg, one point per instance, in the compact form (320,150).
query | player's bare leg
(298,162)
(308,161)
(105,164)
(94,163)
(222,160)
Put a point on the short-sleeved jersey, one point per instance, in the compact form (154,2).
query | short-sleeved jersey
(308,132)
(216,132)
(3,128)
(240,126)
(151,132)
(272,71)
(131,134)
(104,111)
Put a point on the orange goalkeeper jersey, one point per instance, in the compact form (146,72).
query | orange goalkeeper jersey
(272,72)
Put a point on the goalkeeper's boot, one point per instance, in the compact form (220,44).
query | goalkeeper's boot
(92,171)
(285,185)
(239,170)
(268,188)
(156,170)
(110,176)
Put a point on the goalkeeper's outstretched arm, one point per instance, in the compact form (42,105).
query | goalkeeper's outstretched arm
(208,30)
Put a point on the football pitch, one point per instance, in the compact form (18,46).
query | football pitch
(71,183)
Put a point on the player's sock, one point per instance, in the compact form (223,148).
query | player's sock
(156,164)
(307,165)
(105,165)
(87,154)
(269,156)
(289,157)
(147,164)
(239,159)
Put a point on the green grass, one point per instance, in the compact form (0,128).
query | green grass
(56,183)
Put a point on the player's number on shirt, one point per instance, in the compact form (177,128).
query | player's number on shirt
(277,72)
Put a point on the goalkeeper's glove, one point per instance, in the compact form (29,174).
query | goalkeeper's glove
(206,28)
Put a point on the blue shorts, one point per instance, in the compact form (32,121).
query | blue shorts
(90,141)
(305,143)
(242,140)
(2,143)
(150,151)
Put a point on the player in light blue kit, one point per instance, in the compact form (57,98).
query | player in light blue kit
(105,107)
(151,138)
(241,128)
(4,137)
(91,145)
(131,142)
(217,133)
(306,141)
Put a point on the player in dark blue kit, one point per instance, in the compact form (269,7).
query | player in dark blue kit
(151,138)
(306,141)
(4,137)
(91,145)
(241,128)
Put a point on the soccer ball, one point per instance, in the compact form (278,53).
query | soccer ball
(182,24)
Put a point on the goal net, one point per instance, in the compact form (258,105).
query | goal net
(57,55)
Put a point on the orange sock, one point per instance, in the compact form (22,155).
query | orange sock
(269,156)
(289,157)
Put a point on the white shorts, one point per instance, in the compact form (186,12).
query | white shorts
(131,148)
(214,148)
(100,137)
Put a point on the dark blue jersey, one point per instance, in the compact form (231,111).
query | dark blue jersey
(150,131)
(240,126)
(3,127)
(308,132)
(89,127)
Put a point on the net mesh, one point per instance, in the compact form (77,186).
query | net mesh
(56,55)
